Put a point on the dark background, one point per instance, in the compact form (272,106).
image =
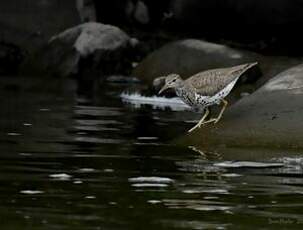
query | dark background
(271,27)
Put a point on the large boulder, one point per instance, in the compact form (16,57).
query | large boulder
(187,57)
(270,117)
(270,25)
(91,46)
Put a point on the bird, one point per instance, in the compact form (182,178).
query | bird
(206,88)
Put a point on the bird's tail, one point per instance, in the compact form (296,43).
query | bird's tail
(249,65)
(240,69)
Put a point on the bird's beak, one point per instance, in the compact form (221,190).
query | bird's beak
(163,89)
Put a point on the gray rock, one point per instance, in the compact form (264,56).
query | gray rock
(89,37)
(87,46)
(187,57)
(141,13)
(270,117)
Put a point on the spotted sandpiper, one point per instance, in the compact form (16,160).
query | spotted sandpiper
(206,88)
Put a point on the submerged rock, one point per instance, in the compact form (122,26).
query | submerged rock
(271,117)
(92,48)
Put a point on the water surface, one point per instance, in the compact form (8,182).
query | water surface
(76,162)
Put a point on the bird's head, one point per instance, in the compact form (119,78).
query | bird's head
(171,81)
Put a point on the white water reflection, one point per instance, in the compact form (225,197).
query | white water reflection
(149,185)
(150,182)
(151,179)
(198,205)
(247,164)
(60,176)
(86,170)
(31,192)
(137,100)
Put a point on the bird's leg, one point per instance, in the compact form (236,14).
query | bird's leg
(225,103)
(204,116)
(198,125)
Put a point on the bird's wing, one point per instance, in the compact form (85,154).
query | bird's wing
(210,82)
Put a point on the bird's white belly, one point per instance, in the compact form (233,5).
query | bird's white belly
(204,101)
(226,90)
(208,101)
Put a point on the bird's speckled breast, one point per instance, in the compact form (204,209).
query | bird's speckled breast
(187,97)
(198,101)
(204,101)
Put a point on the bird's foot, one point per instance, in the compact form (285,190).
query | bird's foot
(208,121)
(216,121)
(202,123)
(193,128)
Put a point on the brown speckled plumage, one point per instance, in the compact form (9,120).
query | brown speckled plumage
(210,82)
(206,88)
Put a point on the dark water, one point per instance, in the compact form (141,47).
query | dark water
(68,162)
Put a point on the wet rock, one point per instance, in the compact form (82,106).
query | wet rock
(271,117)
(91,49)
(187,57)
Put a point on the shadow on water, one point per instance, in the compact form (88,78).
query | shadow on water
(71,162)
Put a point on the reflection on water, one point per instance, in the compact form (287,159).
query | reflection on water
(75,163)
